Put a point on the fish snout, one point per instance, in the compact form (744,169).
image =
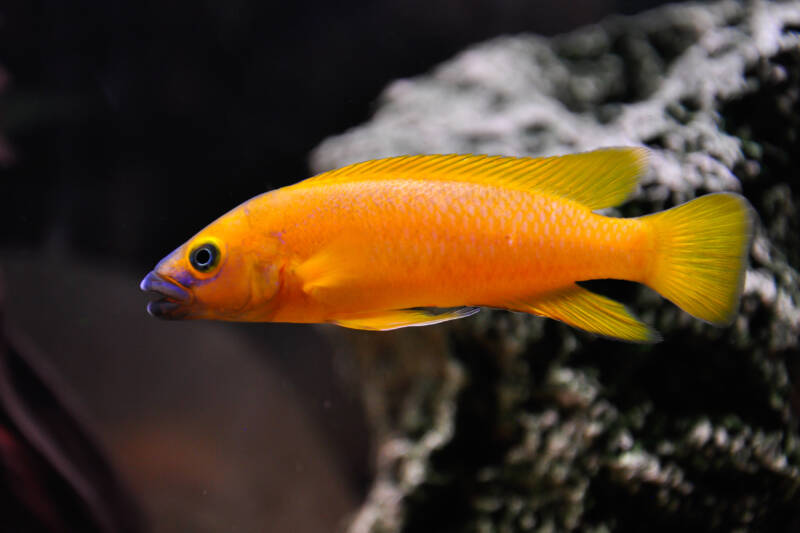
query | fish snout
(173,298)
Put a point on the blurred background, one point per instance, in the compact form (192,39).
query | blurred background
(127,126)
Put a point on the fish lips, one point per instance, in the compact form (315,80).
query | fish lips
(173,298)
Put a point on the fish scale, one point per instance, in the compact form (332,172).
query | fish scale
(480,265)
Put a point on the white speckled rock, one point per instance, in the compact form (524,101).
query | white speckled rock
(554,431)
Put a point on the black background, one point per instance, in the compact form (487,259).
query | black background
(134,124)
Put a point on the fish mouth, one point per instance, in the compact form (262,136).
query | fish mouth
(172,299)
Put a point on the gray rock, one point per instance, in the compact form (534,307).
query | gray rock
(522,424)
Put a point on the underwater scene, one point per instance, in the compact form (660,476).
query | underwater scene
(412,267)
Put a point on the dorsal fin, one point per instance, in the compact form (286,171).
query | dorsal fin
(602,178)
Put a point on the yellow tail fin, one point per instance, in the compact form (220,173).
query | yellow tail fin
(701,254)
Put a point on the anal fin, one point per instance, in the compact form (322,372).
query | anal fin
(591,312)
(401,318)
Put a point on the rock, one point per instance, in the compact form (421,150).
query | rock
(519,423)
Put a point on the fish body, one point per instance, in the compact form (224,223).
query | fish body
(396,245)
(381,244)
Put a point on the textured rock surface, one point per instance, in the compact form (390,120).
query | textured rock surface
(506,422)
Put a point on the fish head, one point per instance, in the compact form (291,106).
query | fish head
(225,272)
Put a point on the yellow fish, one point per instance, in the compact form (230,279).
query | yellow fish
(382,244)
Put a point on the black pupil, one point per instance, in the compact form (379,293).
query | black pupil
(203,257)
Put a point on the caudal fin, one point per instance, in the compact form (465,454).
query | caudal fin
(701,255)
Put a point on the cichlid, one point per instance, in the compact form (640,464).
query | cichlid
(417,240)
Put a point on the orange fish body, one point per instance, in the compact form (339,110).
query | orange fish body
(399,245)
(379,244)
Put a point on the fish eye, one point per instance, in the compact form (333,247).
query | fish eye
(205,257)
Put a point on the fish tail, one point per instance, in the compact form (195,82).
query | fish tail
(700,255)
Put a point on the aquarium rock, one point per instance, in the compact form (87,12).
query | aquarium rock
(513,423)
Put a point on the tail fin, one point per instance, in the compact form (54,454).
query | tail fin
(701,254)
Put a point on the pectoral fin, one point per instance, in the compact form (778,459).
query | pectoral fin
(401,318)
(330,268)
(592,312)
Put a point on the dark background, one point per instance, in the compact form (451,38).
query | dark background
(127,126)
(133,124)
